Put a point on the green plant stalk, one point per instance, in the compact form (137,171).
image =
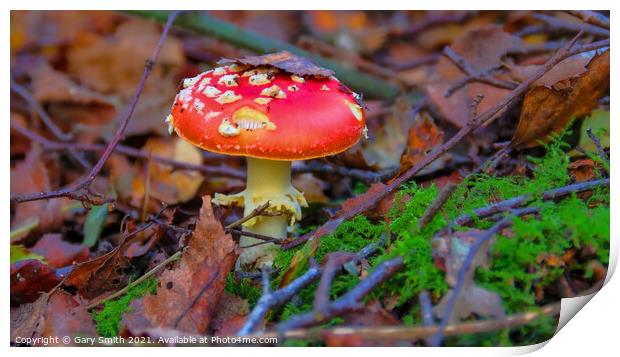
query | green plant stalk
(206,24)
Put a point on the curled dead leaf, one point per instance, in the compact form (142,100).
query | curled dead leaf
(548,109)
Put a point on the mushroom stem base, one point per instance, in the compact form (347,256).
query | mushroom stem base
(268,180)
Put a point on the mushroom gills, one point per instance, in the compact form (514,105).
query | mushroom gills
(251,119)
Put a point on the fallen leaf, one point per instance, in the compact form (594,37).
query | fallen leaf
(571,67)
(450,251)
(30,278)
(388,137)
(311,187)
(548,109)
(20,145)
(59,253)
(55,317)
(483,50)
(67,102)
(122,175)
(229,315)
(353,31)
(168,184)
(104,274)
(285,61)
(93,226)
(29,176)
(472,300)
(423,136)
(582,170)
(188,295)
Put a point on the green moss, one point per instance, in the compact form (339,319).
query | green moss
(517,265)
(109,318)
(243,288)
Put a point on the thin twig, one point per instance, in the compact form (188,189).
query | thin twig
(556,24)
(412,333)
(334,262)
(266,239)
(351,301)
(599,147)
(362,175)
(517,201)
(591,17)
(483,119)
(146,275)
(80,190)
(283,295)
(431,211)
(472,75)
(258,211)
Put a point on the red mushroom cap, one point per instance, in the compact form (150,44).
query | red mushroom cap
(264,112)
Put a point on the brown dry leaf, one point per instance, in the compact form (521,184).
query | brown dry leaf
(167,184)
(424,136)
(571,67)
(353,31)
(582,170)
(436,37)
(285,61)
(105,274)
(58,252)
(51,29)
(483,49)
(452,251)
(57,315)
(69,103)
(274,24)
(188,295)
(472,300)
(311,187)
(30,278)
(122,175)
(388,138)
(113,65)
(20,145)
(548,109)
(28,176)
(229,315)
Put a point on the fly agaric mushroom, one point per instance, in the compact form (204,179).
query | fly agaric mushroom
(271,109)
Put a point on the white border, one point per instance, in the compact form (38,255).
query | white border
(590,331)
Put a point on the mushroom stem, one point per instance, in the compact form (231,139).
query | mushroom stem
(267,180)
